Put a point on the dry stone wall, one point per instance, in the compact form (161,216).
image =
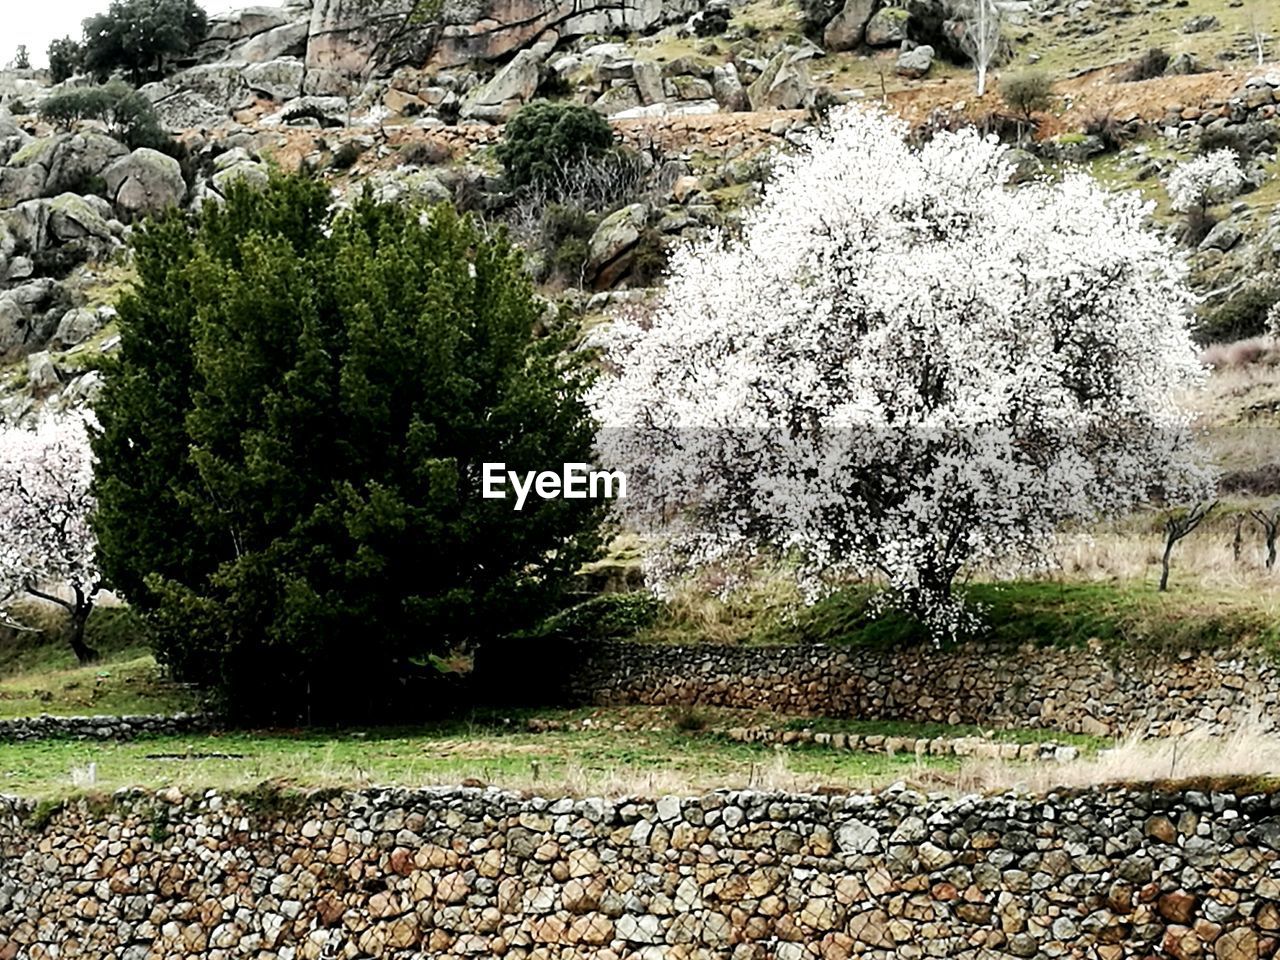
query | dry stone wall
(1192,873)
(1074,690)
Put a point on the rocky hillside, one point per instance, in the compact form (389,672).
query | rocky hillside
(410,96)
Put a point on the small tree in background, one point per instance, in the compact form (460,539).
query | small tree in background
(544,139)
(141,37)
(21,58)
(289,480)
(1197,185)
(903,369)
(66,59)
(1028,92)
(128,115)
(45,506)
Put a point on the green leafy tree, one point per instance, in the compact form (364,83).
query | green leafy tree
(66,59)
(129,115)
(545,138)
(21,58)
(141,37)
(291,449)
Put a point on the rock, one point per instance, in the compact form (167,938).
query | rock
(648,80)
(846,30)
(188,110)
(856,837)
(278,79)
(144,183)
(915,63)
(728,89)
(322,111)
(1238,944)
(72,217)
(617,101)
(345,41)
(42,375)
(1184,64)
(1224,236)
(1200,24)
(609,250)
(288,40)
(691,88)
(221,84)
(75,326)
(512,87)
(887,27)
(237,25)
(1026,166)
(255,175)
(784,84)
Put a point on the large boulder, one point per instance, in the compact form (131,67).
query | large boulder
(58,164)
(24,322)
(887,28)
(222,84)
(12,137)
(727,85)
(784,84)
(278,79)
(512,87)
(144,183)
(611,246)
(289,40)
(915,63)
(370,38)
(846,30)
(185,109)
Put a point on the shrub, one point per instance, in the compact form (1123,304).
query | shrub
(1150,65)
(66,59)
(18,107)
(1104,125)
(128,115)
(1243,315)
(1027,92)
(345,157)
(289,461)
(566,231)
(426,153)
(141,37)
(818,13)
(22,58)
(610,616)
(544,139)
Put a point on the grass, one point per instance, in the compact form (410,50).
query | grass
(39,673)
(1068,613)
(589,758)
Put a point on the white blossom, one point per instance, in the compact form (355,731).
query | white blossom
(904,368)
(1200,183)
(45,505)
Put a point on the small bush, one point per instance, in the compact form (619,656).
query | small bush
(1027,92)
(1150,65)
(426,153)
(687,718)
(649,260)
(1104,125)
(544,139)
(1244,314)
(18,107)
(345,157)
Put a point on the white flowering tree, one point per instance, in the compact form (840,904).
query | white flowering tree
(1197,185)
(47,549)
(904,368)
(980,39)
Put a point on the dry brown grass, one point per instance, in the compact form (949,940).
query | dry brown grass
(1250,750)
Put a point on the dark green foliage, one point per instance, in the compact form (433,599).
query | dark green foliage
(566,234)
(606,617)
(128,115)
(66,59)
(289,464)
(649,259)
(544,139)
(21,58)
(1027,92)
(141,37)
(1243,315)
(18,107)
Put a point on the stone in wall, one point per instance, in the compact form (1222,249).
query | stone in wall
(1187,872)
(1074,690)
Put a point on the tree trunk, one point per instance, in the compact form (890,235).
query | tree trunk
(1164,564)
(1271,548)
(79,619)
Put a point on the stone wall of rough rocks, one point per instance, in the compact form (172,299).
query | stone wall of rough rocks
(1074,690)
(47,727)
(1192,873)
